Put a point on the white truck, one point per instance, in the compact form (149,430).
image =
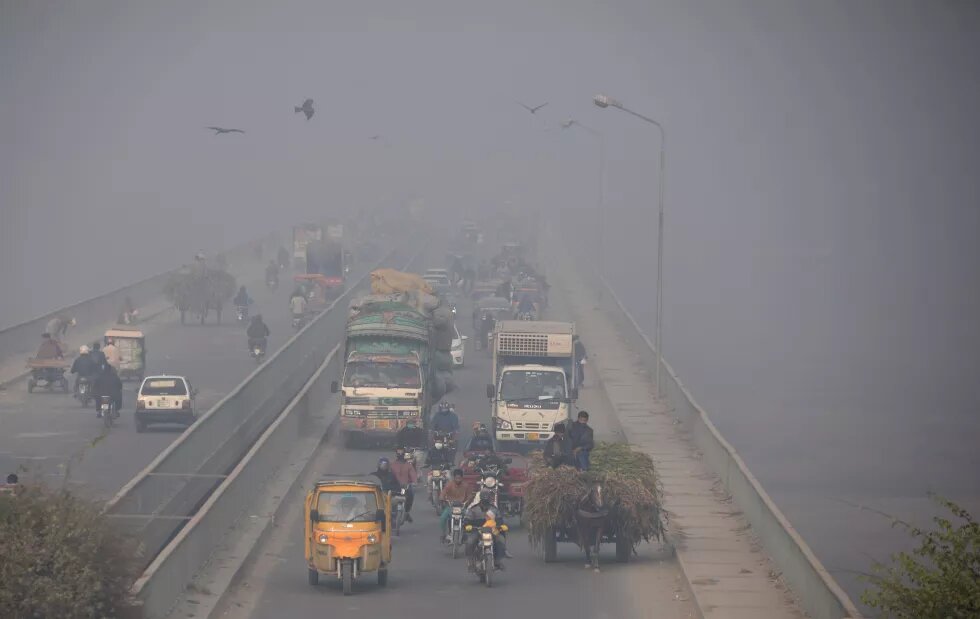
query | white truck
(533,380)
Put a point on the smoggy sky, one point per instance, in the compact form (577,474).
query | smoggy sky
(822,188)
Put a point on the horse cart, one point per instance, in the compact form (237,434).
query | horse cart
(47,373)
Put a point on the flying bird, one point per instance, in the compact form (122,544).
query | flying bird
(306,108)
(532,109)
(567,123)
(220,130)
(375,137)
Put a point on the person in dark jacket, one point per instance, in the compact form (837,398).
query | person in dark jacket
(389,483)
(580,357)
(98,356)
(582,441)
(49,348)
(257,332)
(108,384)
(84,366)
(558,449)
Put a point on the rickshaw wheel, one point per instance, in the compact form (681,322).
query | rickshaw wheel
(313,577)
(383,577)
(347,577)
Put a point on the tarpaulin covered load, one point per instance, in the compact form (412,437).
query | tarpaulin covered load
(388,281)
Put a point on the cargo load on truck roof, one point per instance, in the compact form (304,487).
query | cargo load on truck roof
(388,281)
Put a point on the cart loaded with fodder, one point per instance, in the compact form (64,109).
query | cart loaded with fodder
(618,501)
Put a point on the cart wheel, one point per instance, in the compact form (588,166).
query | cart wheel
(31,383)
(551,548)
(623,548)
(313,577)
(383,577)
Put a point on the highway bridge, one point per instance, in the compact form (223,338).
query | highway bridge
(218,506)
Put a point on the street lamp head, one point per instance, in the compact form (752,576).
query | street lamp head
(602,100)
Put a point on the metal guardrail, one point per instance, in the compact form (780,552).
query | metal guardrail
(166,579)
(163,497)
(820,595)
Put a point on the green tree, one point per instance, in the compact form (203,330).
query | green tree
(940,579)
(61,557)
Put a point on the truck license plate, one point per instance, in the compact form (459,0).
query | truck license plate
(533,436)
(382,425)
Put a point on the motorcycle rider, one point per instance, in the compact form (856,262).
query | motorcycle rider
(389,483)
(84,367)
(481,440)
(485,327)
(440,454)
(526,305)
(242,299)
(98,356)
(283,257)
(257,333)
(404,470)
(272,272)
(476,515)
(580,356)
(297,305)
(109,384)
(445,420)
(455,491)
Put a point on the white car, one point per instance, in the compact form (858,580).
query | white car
(165,399)
(458,348)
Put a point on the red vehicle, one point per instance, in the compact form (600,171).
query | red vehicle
(509,482)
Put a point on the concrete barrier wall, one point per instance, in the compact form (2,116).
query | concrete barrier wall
(165,579)
(819,593)
(22,340)
(159,501)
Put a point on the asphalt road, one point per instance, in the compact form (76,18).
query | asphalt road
(425,581)
(54,438)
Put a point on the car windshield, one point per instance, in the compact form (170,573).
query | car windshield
(371,374)
(346,506)
(163,386)
(532,385)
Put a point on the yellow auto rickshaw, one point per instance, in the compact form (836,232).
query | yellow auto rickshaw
(347,532)
(132,351)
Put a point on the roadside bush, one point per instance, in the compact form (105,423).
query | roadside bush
(60,557)
(940,579)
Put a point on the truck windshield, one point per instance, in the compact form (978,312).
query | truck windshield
(532,385)
(370,374)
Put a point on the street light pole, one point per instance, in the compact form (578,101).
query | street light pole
(600,206)
(604,101)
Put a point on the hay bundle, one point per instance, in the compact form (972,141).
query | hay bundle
(630,486)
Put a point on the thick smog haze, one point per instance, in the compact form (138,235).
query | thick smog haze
(823,173)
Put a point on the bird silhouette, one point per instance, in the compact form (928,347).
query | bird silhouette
(375,137)
(567,123)
(306,108)
(532,109)
(220,130)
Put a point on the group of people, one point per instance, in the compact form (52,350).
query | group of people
(571,447)
(99,366)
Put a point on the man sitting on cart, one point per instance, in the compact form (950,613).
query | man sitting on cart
(49,348)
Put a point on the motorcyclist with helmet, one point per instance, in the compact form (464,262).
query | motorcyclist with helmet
(84,367)
(445,421)
(389,482)
(258,333)
(481,439)
(477,516)
(272,273)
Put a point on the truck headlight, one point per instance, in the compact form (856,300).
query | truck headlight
(503,424)
(372,539)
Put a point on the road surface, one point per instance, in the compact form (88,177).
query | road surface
(50,435)
(425,581)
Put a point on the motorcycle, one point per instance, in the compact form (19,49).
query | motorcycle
(107,408)
(456,527)
(437,481)
(256,350)
(241,313)
(482,561)
(398,511)
(525,315)
(84,391)
(298,322)
(272,283)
